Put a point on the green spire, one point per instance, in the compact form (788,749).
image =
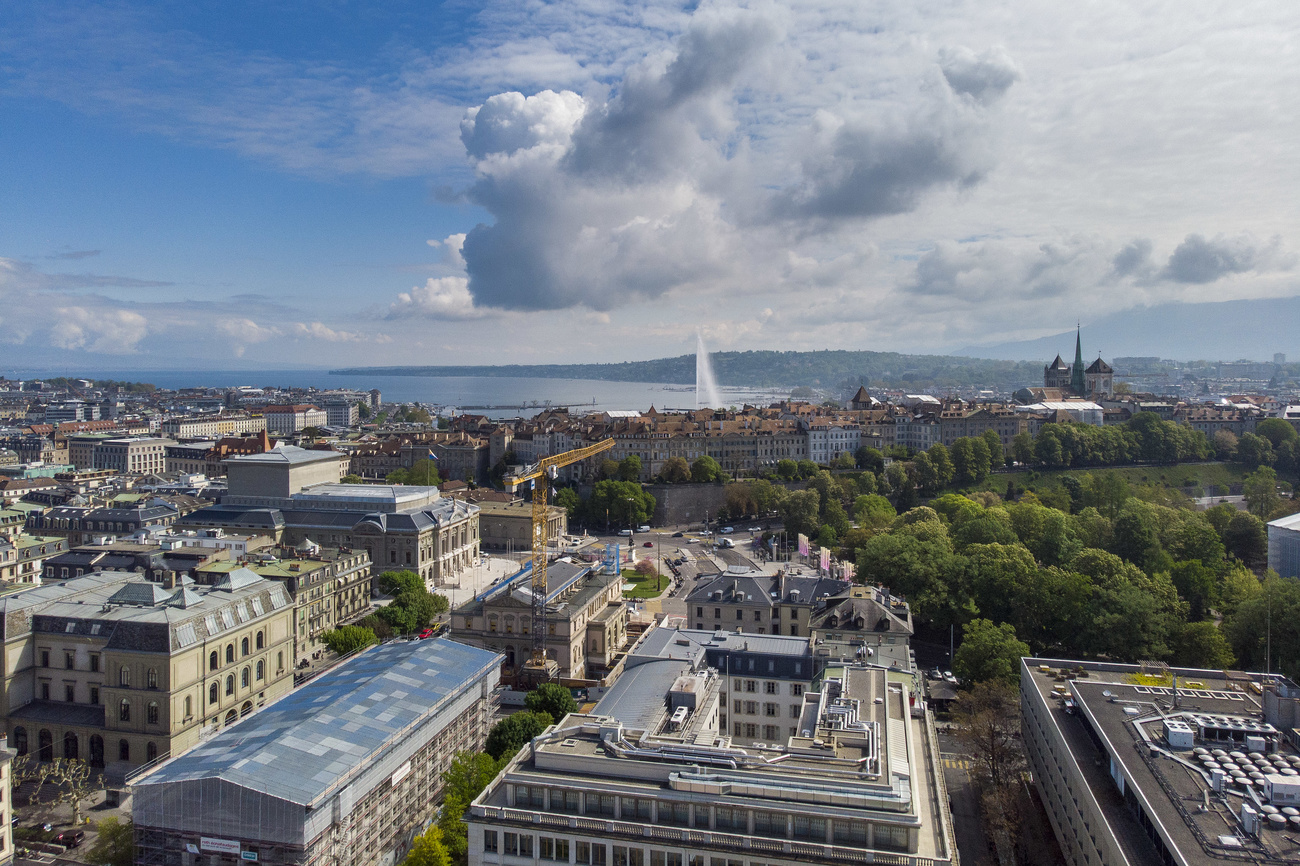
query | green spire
(1077,383)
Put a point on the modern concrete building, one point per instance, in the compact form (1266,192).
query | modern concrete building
(1152,765)
(342,772)
(1284,545)
(648,778)
(119,671)
(586,619)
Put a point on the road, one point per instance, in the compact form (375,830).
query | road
(972,844)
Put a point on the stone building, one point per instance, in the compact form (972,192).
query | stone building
(118,671)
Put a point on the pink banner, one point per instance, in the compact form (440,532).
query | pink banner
(826,559)
(803,544)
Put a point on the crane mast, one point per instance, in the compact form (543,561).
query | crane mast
(539,476)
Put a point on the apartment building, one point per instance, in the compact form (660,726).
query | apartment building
(118,671)
(212,426)
(344,771)
(759,603)
(293,418)
(136,456)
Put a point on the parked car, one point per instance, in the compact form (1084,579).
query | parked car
(678,534)
(645,527)
(70,838)
(648,544)
(755,529)
(625,532)
(428,632)
(706,533)
(727,530)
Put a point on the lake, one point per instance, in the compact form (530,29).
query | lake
(583,395)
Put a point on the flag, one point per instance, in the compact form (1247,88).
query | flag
(432,456)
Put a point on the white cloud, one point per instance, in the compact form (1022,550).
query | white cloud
(438,298)
(108,332)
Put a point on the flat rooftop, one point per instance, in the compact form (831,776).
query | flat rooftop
(1127,712)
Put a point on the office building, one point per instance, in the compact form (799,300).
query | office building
(1147,764)
(648,778)
(1284,545)
(342,772)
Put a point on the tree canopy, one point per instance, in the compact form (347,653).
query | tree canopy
(552,699)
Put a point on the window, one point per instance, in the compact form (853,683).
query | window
(770,709)
(69,660)
(94,695)
(212,693)
(581,852)
(796,689)
(151,678)
(20,740)
(806,827)
(243,647)
(740,615)
(279,662)
(261,670)
(794,711)
(771,732)
(598,852)
(751,686)
(151,713)
(769,688)
(699,611)
(124,711)
(94,662)
(214,661)
(45,658)
(151,752)
(123,750)
(736,705)
(230,653)
(512,844)
(230,684)
(244,677)
(261,640)
(490,841)
(751,731)
(189,706)
(562,850)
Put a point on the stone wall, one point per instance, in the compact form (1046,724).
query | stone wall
(677,504)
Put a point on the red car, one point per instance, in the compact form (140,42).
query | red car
(648,544)
(428,632)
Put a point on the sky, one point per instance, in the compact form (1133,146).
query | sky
(263,184)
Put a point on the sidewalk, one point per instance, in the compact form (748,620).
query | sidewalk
(473,580)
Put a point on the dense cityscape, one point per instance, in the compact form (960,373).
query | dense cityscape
(290,624)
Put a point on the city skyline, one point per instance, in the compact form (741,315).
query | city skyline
(216,186)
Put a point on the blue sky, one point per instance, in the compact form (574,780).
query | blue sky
(262,184)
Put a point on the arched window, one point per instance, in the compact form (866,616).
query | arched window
(231,717)
(230,653)
(96,750)
(20,740)
(123,750)
(124,677)
(46,740)
(70,746)
(214,661)
(261,670)
(261,640)
(230,684)
(243,647)
(244,677)
(212,693)
(151,713)
(189,706)
(246,708)
(151,678)
(151,751)
(124,711)
(279,661)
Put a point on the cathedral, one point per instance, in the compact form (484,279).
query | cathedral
(1097,380)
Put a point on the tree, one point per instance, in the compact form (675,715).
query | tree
(1202,645)
(787,469)
(869,459)
(801,512)
(428,849)
(1277,431)
(420,473)
(1265,631)
(1254,451)
(553,699)
(396,582)
(1022,448)
(1135,535)
(441,604)
(629,468)
(568,499)
(363,410)
(348,639)
(873,511)
(989,652)
(706,469)
(988,725)
(625,502)
(1259,489)
(463,780)
(997,454)
(844,461)
(352,479)
(513,732)
(1197,586)
(114,843)
(1246,538)
(675,471)
(1225,444)
(970,459)
(941,461)
(807,469)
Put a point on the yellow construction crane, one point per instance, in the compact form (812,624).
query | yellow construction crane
(540,475)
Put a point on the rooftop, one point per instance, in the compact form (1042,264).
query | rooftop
(310,742)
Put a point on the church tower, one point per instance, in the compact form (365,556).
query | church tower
(1077,383)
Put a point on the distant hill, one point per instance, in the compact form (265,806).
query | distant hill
(1223,331)
(831,369)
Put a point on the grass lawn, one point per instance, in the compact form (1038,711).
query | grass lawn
(1193,479)
(644,587)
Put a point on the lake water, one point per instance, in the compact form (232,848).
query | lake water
(504,395)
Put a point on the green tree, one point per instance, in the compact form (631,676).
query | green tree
(514,732)
(396,582)
(352,479)
(844,461)
(363,410)
(348,639)
(801,512)
(1022,448)
(1197,585)
(870,459)
(441,604)
(421,473)
(997,454)
(1277,431)
(629,468)
(705,469)
(114,843)
(675,471)
(1246,538)
(989,652)
(1254,451)
(1259,489)
(568,499)
(1224,444)
(873,511)
(970,459)
(787,469)
(428,849)
(807,469)
(1135,535)
(463,780)
(941,460)
(626,503)
(553,699)
(1265,631)
(1202,645)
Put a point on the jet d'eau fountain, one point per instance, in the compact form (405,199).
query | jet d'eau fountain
(706,386)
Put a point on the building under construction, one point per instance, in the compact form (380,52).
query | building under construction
(345,770)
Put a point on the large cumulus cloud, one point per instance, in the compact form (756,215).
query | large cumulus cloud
(675,180)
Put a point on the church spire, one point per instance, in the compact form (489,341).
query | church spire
(1077,382)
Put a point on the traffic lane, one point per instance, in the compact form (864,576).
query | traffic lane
(972,842)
